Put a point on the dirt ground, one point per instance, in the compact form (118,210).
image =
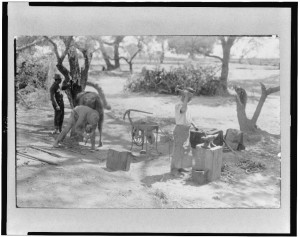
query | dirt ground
(81,179)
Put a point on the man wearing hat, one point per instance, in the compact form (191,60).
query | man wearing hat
(57,103)
(181,132)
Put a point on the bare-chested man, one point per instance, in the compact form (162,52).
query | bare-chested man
(83,119)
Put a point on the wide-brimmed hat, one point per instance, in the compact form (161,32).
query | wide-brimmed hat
(57,77)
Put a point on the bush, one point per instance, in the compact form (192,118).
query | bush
(202,79)
(31,71)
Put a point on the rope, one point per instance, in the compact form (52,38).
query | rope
(225,172)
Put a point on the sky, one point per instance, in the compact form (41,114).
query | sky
(268,47)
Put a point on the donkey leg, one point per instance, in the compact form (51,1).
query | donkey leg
(100,123)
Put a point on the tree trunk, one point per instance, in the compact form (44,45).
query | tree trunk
(225,67)
(162,56)
(264,93)
(75,74)
(67,79)
(192,56)
(249,125)
(85,70)
(226,46)
(245,124)
(109,66)
(116,56)
(74,65)
(241,59)
(130,67)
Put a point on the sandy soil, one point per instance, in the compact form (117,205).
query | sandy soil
(81,180)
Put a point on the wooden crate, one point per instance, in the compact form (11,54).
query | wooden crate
(187,161)
(199,176)
(164,139)
(210,160)
(118,160)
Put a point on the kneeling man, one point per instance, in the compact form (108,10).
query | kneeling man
(83,119)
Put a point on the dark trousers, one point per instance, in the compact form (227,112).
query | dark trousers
(59,116)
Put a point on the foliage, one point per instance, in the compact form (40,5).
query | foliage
(192,45)
(32,70)
(202,79)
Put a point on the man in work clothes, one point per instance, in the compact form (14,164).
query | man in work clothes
(57,103)
(181,132)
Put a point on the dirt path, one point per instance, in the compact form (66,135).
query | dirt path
(82,180)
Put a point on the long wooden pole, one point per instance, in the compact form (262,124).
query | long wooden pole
(36,158)
(48,152)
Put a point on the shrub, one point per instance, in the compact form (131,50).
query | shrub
(202,79)
(31,71)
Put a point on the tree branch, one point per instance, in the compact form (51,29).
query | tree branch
(133,56)
(213,56)
(67,44)
(30,45)
(108,43)
(222,40)
(273,90)
(231,40)
(126,59)
(264,93)
(110,58)
(54,46)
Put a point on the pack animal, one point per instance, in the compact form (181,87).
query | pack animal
(93,100)
(83,120)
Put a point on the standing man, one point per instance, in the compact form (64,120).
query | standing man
(181,132)
(57,103)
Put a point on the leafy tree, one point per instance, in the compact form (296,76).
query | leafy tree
(162,39)
(227,43)
(31,68)
(247,46)
(131,51)
(193,45)
(150,47)
(76,76)
(110,50)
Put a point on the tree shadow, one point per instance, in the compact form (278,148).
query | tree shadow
(266,133)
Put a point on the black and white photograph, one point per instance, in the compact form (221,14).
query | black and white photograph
(116,113)
(148,121)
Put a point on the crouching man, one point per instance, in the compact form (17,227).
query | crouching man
(84,120)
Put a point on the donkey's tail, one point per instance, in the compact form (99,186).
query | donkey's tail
(101,94)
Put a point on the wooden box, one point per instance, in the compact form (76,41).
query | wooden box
(199,176)
(209,159)
(187,161)
(164,139)
(118,160)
